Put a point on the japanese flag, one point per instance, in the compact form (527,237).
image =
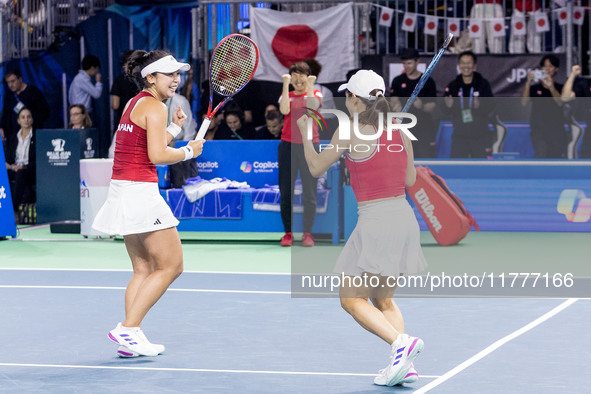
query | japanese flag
(562,14)
(475,28)
(430,25)
(498,27)
(284,38)
(453,26)
(518,25)
(409,22)
(542,23)
(578,15)
(386,16)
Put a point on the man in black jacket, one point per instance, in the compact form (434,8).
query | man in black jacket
(471,137)
(18,96)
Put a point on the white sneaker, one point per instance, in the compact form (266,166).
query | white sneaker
(412,376)
(404,351)
(128,353)
(125,352)
(133,339)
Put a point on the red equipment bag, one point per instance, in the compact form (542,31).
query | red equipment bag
(444,213)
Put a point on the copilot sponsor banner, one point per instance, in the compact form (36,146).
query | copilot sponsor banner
(95,176)
(7,223)
(506,73)
(254,162)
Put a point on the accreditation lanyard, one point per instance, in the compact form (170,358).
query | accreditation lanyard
(467,112)
(470,99)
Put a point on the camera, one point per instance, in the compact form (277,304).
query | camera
(539,74)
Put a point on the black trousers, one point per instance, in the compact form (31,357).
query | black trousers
(22,186)
(291,160)
(549,147)
(474,148)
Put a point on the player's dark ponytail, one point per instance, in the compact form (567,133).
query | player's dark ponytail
(376,104)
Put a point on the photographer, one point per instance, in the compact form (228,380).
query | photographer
(548,136)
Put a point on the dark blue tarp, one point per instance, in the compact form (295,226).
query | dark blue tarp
(153,28)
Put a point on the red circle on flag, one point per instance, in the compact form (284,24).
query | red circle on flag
(578,15)
(498,27)
(519,25)
(408,21)
(474,28)
(431,25)
(563,15)
(453,27)
(385,17)
(294,43)
(541,22)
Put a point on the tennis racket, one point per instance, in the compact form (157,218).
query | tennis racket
(233,64)
(427,73)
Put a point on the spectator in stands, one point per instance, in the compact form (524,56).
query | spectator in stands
(20,161)
(486,9)
(82,90)
(327,99)
(576,86)
(79,118)
(180,172)
(245,102)
(269,108)
(402,87)
(122,90)
(214,126)
(548,136)
(272,130)
(290,153)
(471,137)
(21,95)
(517,43)
(187,92)
(233,126)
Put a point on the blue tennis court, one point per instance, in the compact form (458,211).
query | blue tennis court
(239,330)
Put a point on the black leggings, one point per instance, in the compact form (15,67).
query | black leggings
(291,159)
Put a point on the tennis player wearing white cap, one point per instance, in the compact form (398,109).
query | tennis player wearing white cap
(386,240)
(134,207)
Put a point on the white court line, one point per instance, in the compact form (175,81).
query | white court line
(130,270)
(198,370)
(123,288)
(495,346)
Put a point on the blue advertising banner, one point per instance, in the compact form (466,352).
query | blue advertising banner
(7,223)
(254,162)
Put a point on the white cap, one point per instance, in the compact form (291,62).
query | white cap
(363,82)
(165,65)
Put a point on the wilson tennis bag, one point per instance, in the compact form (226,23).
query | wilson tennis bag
(444,213)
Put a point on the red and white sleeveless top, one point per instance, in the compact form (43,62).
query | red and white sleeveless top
(383,173)
(131,161)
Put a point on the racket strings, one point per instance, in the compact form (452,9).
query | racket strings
(232,65)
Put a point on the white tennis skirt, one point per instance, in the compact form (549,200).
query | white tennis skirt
(386,241)
(133,208)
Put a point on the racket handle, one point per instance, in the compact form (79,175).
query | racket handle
(203,129)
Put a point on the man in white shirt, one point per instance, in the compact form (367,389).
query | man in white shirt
(82,90)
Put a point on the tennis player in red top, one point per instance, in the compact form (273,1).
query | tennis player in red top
(134,207)
(386,241)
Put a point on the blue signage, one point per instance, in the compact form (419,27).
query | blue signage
(7,222)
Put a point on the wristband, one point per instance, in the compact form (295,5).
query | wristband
(188,152)
(174,129)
